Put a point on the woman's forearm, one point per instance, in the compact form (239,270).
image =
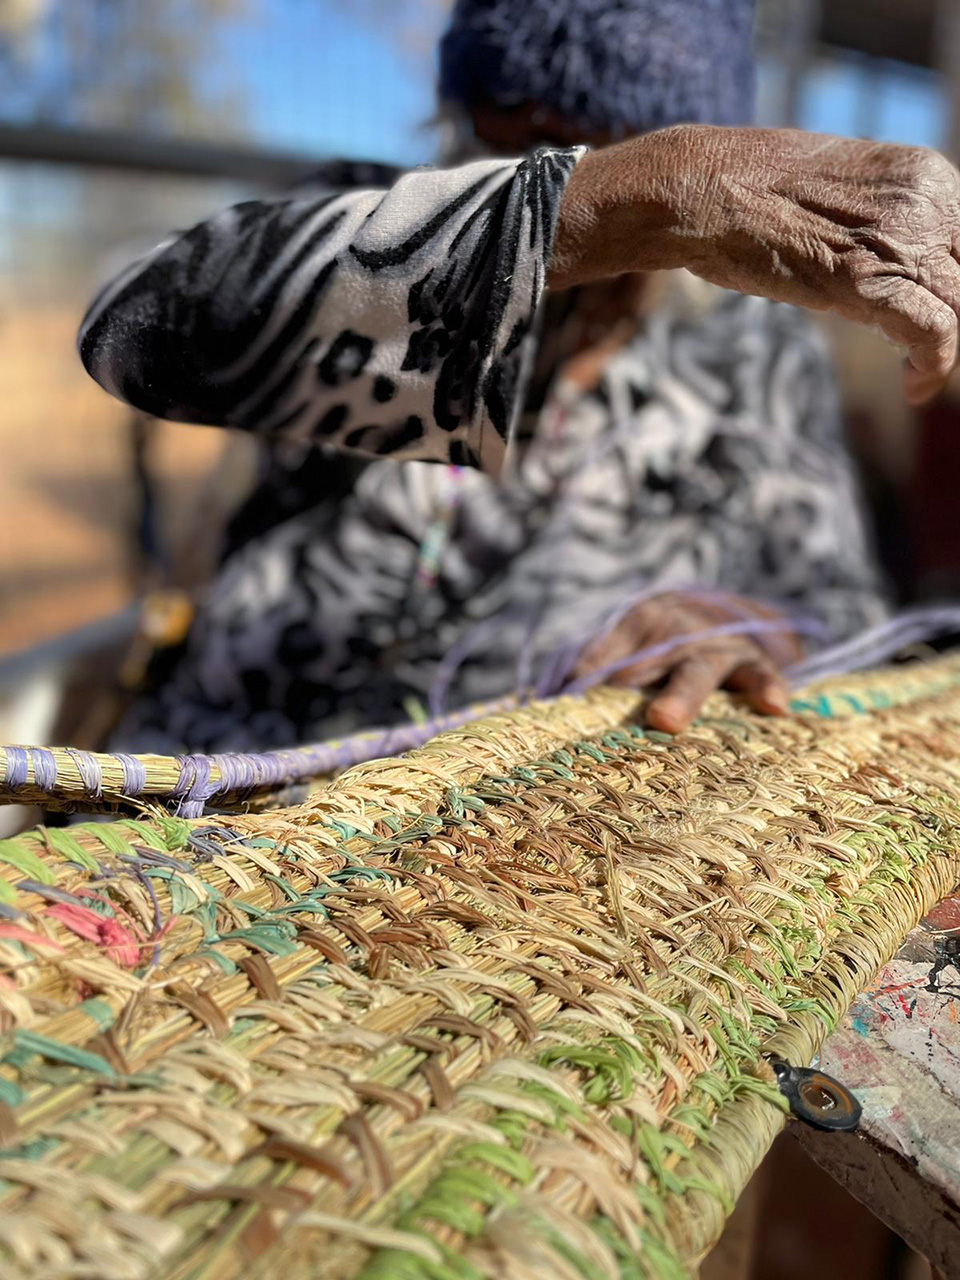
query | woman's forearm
(868,230)
(623,210)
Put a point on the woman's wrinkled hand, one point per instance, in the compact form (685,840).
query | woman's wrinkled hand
(868,230)
(698,666)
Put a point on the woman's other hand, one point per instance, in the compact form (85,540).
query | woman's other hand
(865,229)
(687,675)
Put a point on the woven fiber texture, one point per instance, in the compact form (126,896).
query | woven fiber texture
(501,1008)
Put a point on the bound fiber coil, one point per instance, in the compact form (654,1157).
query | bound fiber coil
(503,1007)
(65,778)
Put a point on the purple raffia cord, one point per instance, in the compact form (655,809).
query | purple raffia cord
(753,627)
(560,664)
(863,650)
(452,660)
(253,771)
(877,643)
(561,661)
(874,645)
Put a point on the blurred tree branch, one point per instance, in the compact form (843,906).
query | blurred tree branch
(140,64)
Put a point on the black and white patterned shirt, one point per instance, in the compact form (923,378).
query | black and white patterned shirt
(406,323)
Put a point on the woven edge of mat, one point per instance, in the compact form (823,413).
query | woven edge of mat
(745,1129)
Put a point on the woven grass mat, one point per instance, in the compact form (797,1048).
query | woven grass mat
(499,1008)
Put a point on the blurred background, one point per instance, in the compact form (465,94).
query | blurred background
(121,119)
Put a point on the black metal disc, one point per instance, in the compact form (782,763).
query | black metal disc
(817,1098)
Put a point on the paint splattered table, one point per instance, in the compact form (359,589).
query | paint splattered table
(898,1049)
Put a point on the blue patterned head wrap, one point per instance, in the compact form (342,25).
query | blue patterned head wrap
(626,66)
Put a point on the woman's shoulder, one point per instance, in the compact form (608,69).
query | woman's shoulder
(341,174)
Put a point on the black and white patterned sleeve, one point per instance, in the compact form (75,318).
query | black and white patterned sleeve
(395,322)
(816,546)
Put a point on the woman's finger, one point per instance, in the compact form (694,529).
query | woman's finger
(635,675)
(912,317)
(690,683)
(918,387)
(763,686)
(943,280)
(628,636)
(648,625)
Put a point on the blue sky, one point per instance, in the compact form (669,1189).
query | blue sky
(903,104)
(355,78)
(320,76)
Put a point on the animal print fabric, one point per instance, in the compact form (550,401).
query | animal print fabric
(709,454)
(383,322)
